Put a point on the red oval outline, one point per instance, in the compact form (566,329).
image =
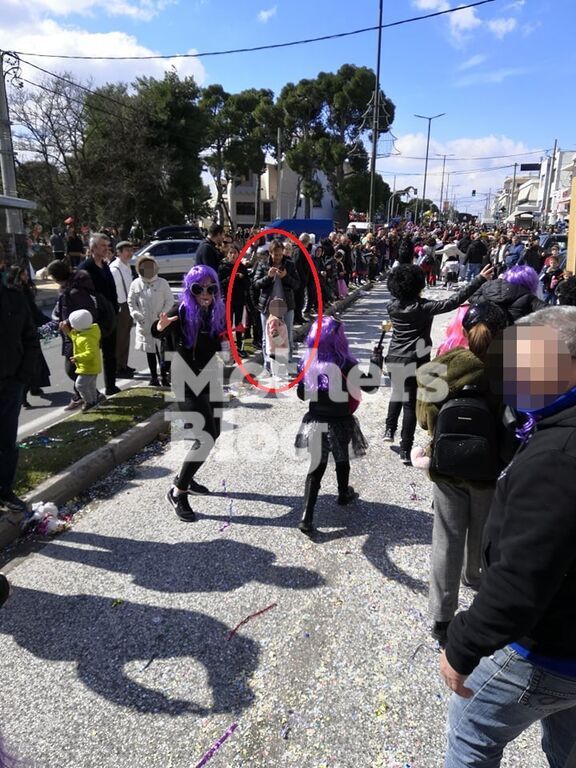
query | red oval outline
(229,330)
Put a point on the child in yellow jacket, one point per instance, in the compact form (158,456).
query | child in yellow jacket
(86,355)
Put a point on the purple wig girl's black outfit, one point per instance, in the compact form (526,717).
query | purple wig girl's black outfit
(330,427)
(196,337)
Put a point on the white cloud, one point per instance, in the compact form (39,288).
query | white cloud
(462,22)
(528,29)
(473,61)
(495,76)
(517,5)
(142,10)
(264,16)
(502,27)
(432,5)
(465,174)
(49,36)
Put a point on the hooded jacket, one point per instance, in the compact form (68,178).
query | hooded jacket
(147,298)
(528,589)
(77,293)
(515,300)
(86,349)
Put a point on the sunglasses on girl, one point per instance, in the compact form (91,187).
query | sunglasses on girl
(198,288)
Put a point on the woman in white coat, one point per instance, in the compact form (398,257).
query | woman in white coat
(148,297)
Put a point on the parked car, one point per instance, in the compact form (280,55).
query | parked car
(174,257)
(178,231)
(548,239)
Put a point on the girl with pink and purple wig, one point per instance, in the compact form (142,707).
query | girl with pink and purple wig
(195,330)
(333,386)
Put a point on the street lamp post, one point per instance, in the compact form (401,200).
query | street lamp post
(423,117)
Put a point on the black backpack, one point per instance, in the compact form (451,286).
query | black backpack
(466,439)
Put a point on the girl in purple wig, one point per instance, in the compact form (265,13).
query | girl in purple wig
(333,389)
(196,329)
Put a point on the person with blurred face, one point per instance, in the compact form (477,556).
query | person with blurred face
(511,658)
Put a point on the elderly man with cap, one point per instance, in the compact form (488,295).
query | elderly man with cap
(122,274)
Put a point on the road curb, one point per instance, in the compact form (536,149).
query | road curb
(79,476)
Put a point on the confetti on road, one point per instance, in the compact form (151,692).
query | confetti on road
(231,634)
(216,746)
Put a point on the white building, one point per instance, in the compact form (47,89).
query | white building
(555,187)
(278,197)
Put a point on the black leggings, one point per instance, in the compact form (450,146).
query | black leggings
(205,433)
(403,398)
(316,473)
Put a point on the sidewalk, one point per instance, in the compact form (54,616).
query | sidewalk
(115,649)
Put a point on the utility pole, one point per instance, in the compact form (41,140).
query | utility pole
(375,120)
(279,167)
(14,223)
(548,184)
(423,117)
(513,189)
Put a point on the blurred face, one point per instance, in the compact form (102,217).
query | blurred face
(277,255)
(204,293)
(232,254)
(537,367)
(147,270)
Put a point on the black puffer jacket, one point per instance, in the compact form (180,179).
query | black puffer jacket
(515,300)
(528,589)
(412,324)
(77,293)
(265,284)
(19,347)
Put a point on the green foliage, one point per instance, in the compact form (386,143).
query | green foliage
(355,192)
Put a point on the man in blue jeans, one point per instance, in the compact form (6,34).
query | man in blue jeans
(476,256)
(19,348)
(511,658)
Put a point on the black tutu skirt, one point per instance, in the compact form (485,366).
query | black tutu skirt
(343,438)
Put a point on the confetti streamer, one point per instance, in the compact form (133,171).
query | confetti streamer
(216,746)
(413,495)
(231,511)
(231,634)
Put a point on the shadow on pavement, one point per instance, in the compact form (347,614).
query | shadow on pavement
(221,565)
(386,525)
(103,638)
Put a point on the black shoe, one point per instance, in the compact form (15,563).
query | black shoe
(4,589)
(243,354)
(347,497)
(37,392)
(306,527)
(197,489)
(26,404)
(9,502)
(181,505)
(125,373)
(154,382)
(165,381)
(405,458)
(112,391)
(389,436)
(439,632)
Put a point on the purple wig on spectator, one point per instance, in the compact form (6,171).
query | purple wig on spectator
(333,350)
(524,276)
(191,314)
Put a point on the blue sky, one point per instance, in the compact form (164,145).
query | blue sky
(501,73)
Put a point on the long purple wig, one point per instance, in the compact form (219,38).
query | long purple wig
(524,276)
(333,350)
(191,315)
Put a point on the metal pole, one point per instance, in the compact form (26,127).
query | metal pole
(512,190)
(14,222)
(548,185)
(442,186)
(423,117)
(279,163)
(376,119)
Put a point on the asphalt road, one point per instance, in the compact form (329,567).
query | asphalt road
(116,646)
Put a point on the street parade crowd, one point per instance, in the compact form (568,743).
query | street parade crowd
(496,407)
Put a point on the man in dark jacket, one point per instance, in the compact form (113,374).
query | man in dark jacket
(19,352)
(277,281)
(304,274)
(476,253)
(532,256)
(511,658)
(98,269)
(208,252)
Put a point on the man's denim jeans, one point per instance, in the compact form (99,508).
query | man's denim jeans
(510,694)
(472,271)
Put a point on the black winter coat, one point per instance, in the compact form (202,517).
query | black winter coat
(476,252)
(515,300)
(20,346)
(208,254)
(102,279)
(241,282)
(265,284)
(528,589)
(412,323)
(77,293)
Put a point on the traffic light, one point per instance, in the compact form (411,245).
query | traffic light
(473,193)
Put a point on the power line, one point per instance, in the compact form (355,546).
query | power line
(486,157)
(452,173)
(258,47)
